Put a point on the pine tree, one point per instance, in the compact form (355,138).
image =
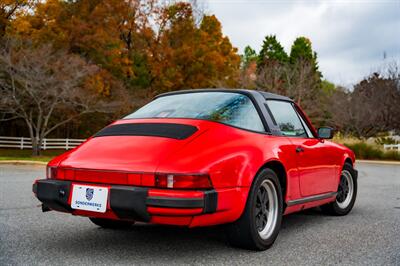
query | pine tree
(248,56)
(271,50)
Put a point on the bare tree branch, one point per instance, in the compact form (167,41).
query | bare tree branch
(37,83)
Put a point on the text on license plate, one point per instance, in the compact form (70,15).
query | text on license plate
(89,198)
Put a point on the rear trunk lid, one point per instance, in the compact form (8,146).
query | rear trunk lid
(134,145)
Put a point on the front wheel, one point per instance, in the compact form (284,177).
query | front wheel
(346,193)
(259,225)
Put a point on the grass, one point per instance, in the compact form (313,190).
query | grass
(371,152)
(26,155)
(367,149)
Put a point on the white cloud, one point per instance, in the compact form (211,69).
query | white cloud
(350,37)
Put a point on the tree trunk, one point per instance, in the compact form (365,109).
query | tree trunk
(34,139)
(36,145)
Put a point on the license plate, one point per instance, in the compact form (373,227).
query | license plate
(89,198)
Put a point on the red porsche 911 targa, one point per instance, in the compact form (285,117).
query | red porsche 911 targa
(205,157)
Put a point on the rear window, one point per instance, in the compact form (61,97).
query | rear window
(225,107)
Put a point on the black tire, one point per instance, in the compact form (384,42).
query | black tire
(111,224)
(244,233)
(335,208)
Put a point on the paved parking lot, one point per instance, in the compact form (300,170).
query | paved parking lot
(369,235)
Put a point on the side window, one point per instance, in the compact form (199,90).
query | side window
(308,130)
(287,119)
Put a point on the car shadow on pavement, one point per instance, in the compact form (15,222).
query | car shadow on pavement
(143,240)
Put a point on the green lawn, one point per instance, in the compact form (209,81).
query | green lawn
(26,155)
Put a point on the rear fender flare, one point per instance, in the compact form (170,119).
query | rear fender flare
(279,169)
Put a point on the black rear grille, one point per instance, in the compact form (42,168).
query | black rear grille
(166,130)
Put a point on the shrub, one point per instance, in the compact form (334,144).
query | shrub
(385,140)
(363,150)
(391,155)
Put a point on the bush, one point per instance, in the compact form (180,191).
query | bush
(392,155)
(385,140)
(366,151)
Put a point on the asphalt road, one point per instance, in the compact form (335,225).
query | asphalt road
(369,235)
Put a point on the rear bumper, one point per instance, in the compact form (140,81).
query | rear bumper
(131,203)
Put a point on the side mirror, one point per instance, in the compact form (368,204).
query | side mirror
(325,132)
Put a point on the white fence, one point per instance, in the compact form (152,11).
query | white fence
(392,147)
(47,144)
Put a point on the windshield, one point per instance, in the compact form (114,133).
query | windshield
(226,107)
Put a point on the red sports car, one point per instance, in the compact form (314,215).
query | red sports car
(205,157)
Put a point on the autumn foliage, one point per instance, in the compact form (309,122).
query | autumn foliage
(140,48)
(144,44)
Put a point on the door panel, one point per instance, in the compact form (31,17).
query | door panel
(315,168)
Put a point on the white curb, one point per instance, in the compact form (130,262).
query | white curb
(378,162)
(22,162)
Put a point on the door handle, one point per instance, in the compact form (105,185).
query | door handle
(299,149)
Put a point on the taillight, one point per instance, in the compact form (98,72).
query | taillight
(51,172)
(193,181)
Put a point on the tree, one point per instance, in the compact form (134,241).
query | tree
(188,56)
(296,76)
(305,69)
(143,47)
(302,49)
(38,85)
(106,32)
(328,87)
(339,107)
(272,64)
(373,105)
(148,44)
(271,50)
(274,77)
(248,56)
(220,59)
(305,81)
(8,9)
(248,68)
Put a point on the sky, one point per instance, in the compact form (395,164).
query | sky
(350,37)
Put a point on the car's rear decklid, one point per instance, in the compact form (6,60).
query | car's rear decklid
(132,146)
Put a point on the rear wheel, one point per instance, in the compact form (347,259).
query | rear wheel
(346,193)
(259,225)
(111,224)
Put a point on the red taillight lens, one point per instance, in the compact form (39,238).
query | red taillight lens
(59,173)
(195,181)
(51,172)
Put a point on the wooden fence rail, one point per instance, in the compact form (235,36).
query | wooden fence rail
(60,144)
(47,144)
(392,147)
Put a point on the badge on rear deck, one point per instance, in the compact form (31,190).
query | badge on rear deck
(89,193)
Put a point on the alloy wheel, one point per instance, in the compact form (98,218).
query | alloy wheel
(345,190)
(266,209)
